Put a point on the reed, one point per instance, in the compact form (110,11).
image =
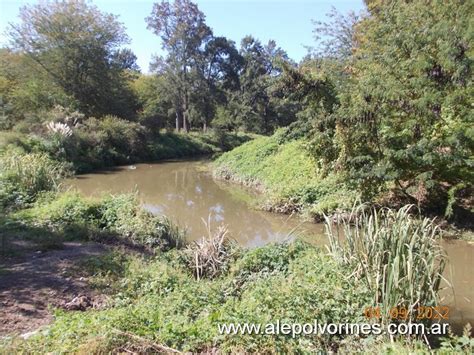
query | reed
(209,256)
(24,176)
(398,256)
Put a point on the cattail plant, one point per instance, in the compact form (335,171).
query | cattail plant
(398,256)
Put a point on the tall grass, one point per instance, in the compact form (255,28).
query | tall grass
(396,255)
(24,176)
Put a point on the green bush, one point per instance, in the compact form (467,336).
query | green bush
(268,259)
(102,142)
(123,215)
(68,214)
(10,138)
(24,176)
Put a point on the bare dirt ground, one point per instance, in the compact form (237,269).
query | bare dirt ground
(32,282)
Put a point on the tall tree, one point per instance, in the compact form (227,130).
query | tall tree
(79,47)
(256,105)
(336,37)
(24,90)
(217,74)
(183,32)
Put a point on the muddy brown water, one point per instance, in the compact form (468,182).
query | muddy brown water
(185,192)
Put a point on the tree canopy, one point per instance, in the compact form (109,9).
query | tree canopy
(80,49)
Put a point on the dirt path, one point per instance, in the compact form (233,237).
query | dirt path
(28,285)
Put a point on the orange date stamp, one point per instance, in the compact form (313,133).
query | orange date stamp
(402,313)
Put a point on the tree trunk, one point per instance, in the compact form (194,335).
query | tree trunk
(185,113)
(177,122)
(185,124)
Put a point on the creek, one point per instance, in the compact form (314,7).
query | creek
(185,192)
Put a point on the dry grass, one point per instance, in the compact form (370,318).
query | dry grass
(209,256)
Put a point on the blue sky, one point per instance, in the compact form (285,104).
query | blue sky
(287,22)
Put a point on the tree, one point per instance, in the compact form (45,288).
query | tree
(155,103)
(258,105)
(79,48)
(183,32)
(336,38)
(25,90)
(406,116)
(217,75)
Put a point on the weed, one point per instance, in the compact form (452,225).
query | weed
(24,176)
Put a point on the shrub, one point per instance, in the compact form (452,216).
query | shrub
(24,176)
(104,142)
(119,216)
(269,259)
(10,138)
(123,215)
(67,214)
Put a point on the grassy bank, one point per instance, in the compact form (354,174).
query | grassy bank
(158,304)
(287,173)
(119,219)
(283,167)
(164,302)
(165,296)
(112,141)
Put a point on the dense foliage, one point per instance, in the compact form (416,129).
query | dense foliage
(381,111)
(68,216)
(384,100)
(78,47)
(385,104)
(23,177)
(404,118)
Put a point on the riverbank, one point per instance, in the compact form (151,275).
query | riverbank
(285,170)
(156,302)
(98,144)
(158,299)
(31,163)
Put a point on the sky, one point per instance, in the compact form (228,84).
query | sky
(288,22)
